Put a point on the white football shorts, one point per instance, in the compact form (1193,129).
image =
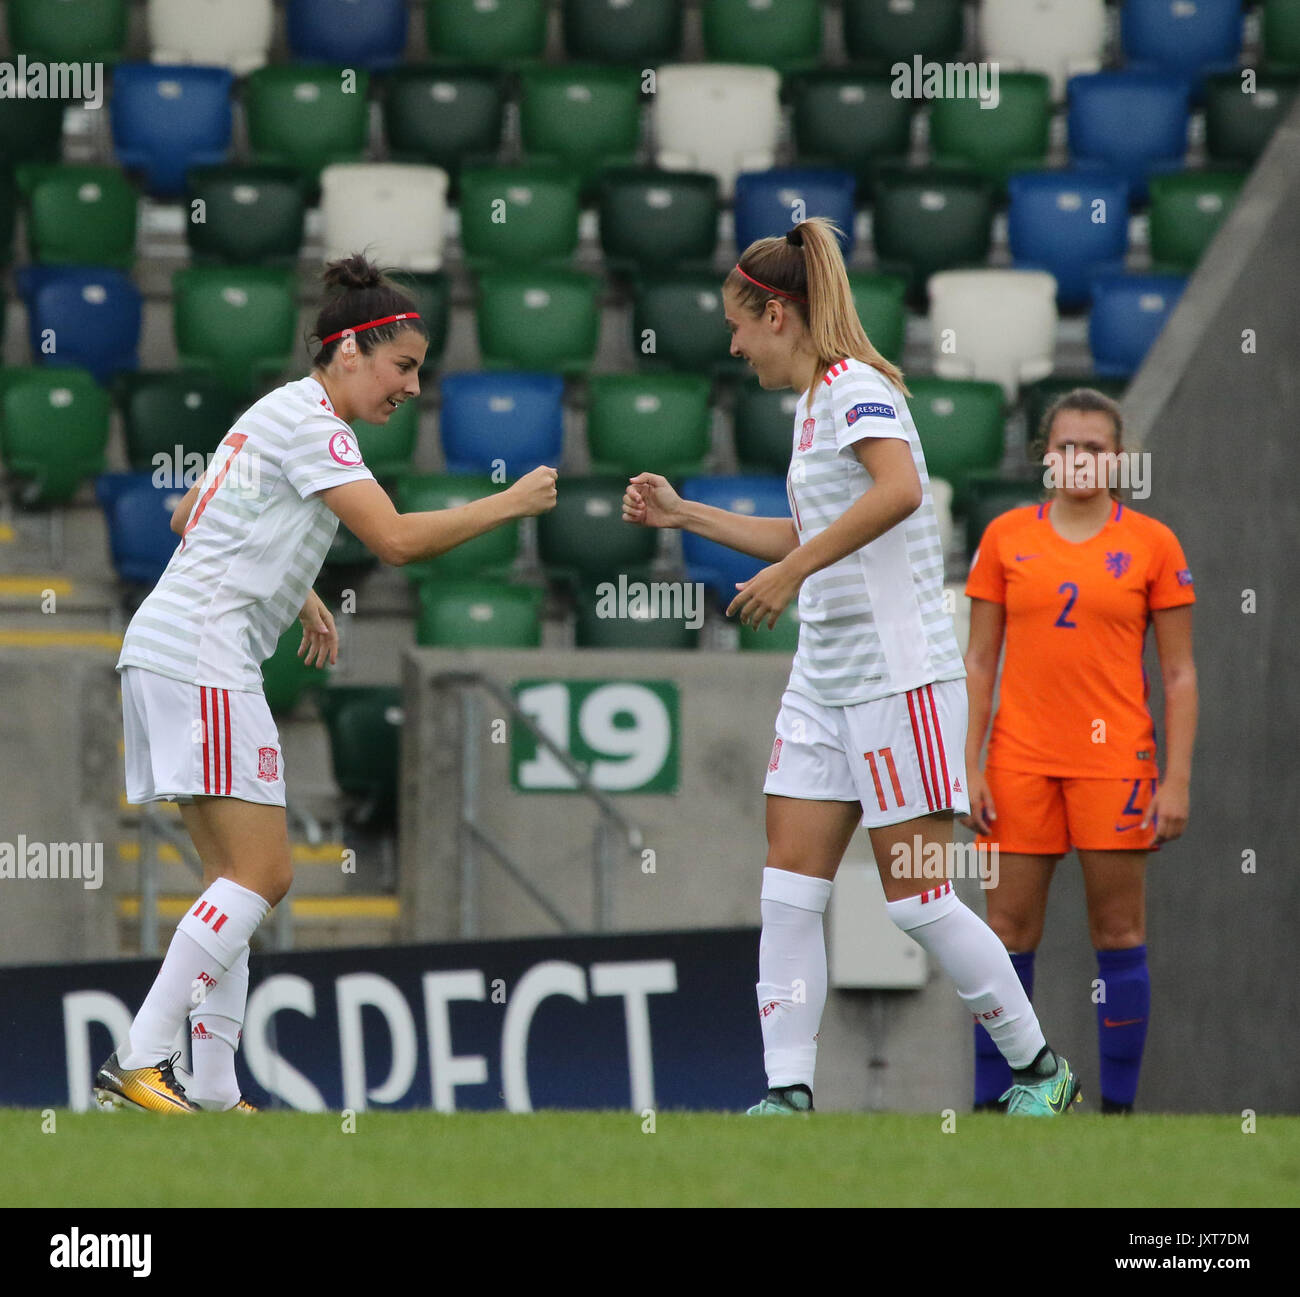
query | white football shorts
(901,757)
(185,741)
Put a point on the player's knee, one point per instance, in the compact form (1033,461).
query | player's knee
(1119,935)
(1016,932)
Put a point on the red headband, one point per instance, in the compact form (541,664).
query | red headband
(373,324)
(779,292)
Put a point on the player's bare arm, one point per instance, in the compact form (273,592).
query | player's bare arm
(983,650)
(1170,805)
(181,514)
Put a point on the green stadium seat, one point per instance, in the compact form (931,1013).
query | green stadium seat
(347,563)
(653,423)
(163,410)
(961,428)
(1036,398)
(677,320)
(53,432)
(444,115)
(1187,209)
(782,638)
(69,31)
(389,448)
(764,428)
(82,216)
(584,538)
(538,319)
(518,216)
(250,215)
(995,141)
(307,117)
(882,32)
(237,322)
(585,118)
(927,221)
(364,723)
(657,220)
(493,552)
(880,301)
(849,121)
(1239,125)
(1281,35)
(639,32)
(31,130)
(431,292)
(781,36)
(286,677)
(592,630)
(479,614)
(498,33)
(992,494)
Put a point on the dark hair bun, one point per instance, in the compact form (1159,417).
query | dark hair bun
(353,272)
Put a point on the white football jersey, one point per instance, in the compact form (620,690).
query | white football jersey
(874,623)
(254,543)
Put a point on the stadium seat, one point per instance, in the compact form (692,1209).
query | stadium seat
(654,423)
(584,538)
(518,216)
(583,118)
(756,31)
(1037,398)
(369,35)
(238,322)
(307,117)
(640,32)
(364,724)
(432,297)
(716,566)
(782,638)
(493,552)
(82,215)
(677,321)
(31,130)
(84,316)
(68,31)
(960,425)
(234,34)
(1239,123)
(1069,223)
(769,202)
(446,116)
(998,325)
(927,221)
(167,119)
(763,428)
(879,300)
(1281,35)
(1133,124)
(395,210)
(501,422)
(286,677)
(849,121)
(1187,209)
(1179,38)
(138,516)
(657,220)
(1060,38)
(883,31)
(646,625)
(538,319)
(347,563)
(1128,312)
(251,215)
(163,410)
(742,107)
(53,432)
(992,494)
(479,614)
(1013,136)
(486,31)
(388,448)
(8,222)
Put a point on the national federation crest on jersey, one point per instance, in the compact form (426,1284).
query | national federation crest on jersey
(268,764)
(806,434)
(1117,562)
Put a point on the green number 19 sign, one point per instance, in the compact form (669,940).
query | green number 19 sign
(623,732)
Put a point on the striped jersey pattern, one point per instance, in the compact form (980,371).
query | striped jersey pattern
(254,544)
(873,624)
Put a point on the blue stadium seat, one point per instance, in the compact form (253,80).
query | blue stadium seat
(82,315)
(138,515)
(1188,40)
(352,33)
(765,200)
(1055,223)
(718,567)
(168,119)
(504,416)
(1130,123)
(1128,311)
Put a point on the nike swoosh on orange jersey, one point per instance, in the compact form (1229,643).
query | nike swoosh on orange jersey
(1123,1022)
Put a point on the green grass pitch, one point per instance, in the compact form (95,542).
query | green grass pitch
(394,1159)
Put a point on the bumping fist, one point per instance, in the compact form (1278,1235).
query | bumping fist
(536,491)
(650,501)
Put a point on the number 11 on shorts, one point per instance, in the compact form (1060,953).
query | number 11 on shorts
(888,758)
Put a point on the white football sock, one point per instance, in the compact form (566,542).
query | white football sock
(970,953)
(792,974)
(214,1039)
(206,943)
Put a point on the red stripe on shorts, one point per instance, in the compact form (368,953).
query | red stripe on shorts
(938,735)
(225,700)
(920,760)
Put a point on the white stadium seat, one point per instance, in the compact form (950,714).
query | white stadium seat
(1057,37)
(997,325)
(717,117)
(395,212)
(234,34)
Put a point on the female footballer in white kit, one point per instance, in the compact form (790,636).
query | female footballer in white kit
(872,726)
(254,533)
